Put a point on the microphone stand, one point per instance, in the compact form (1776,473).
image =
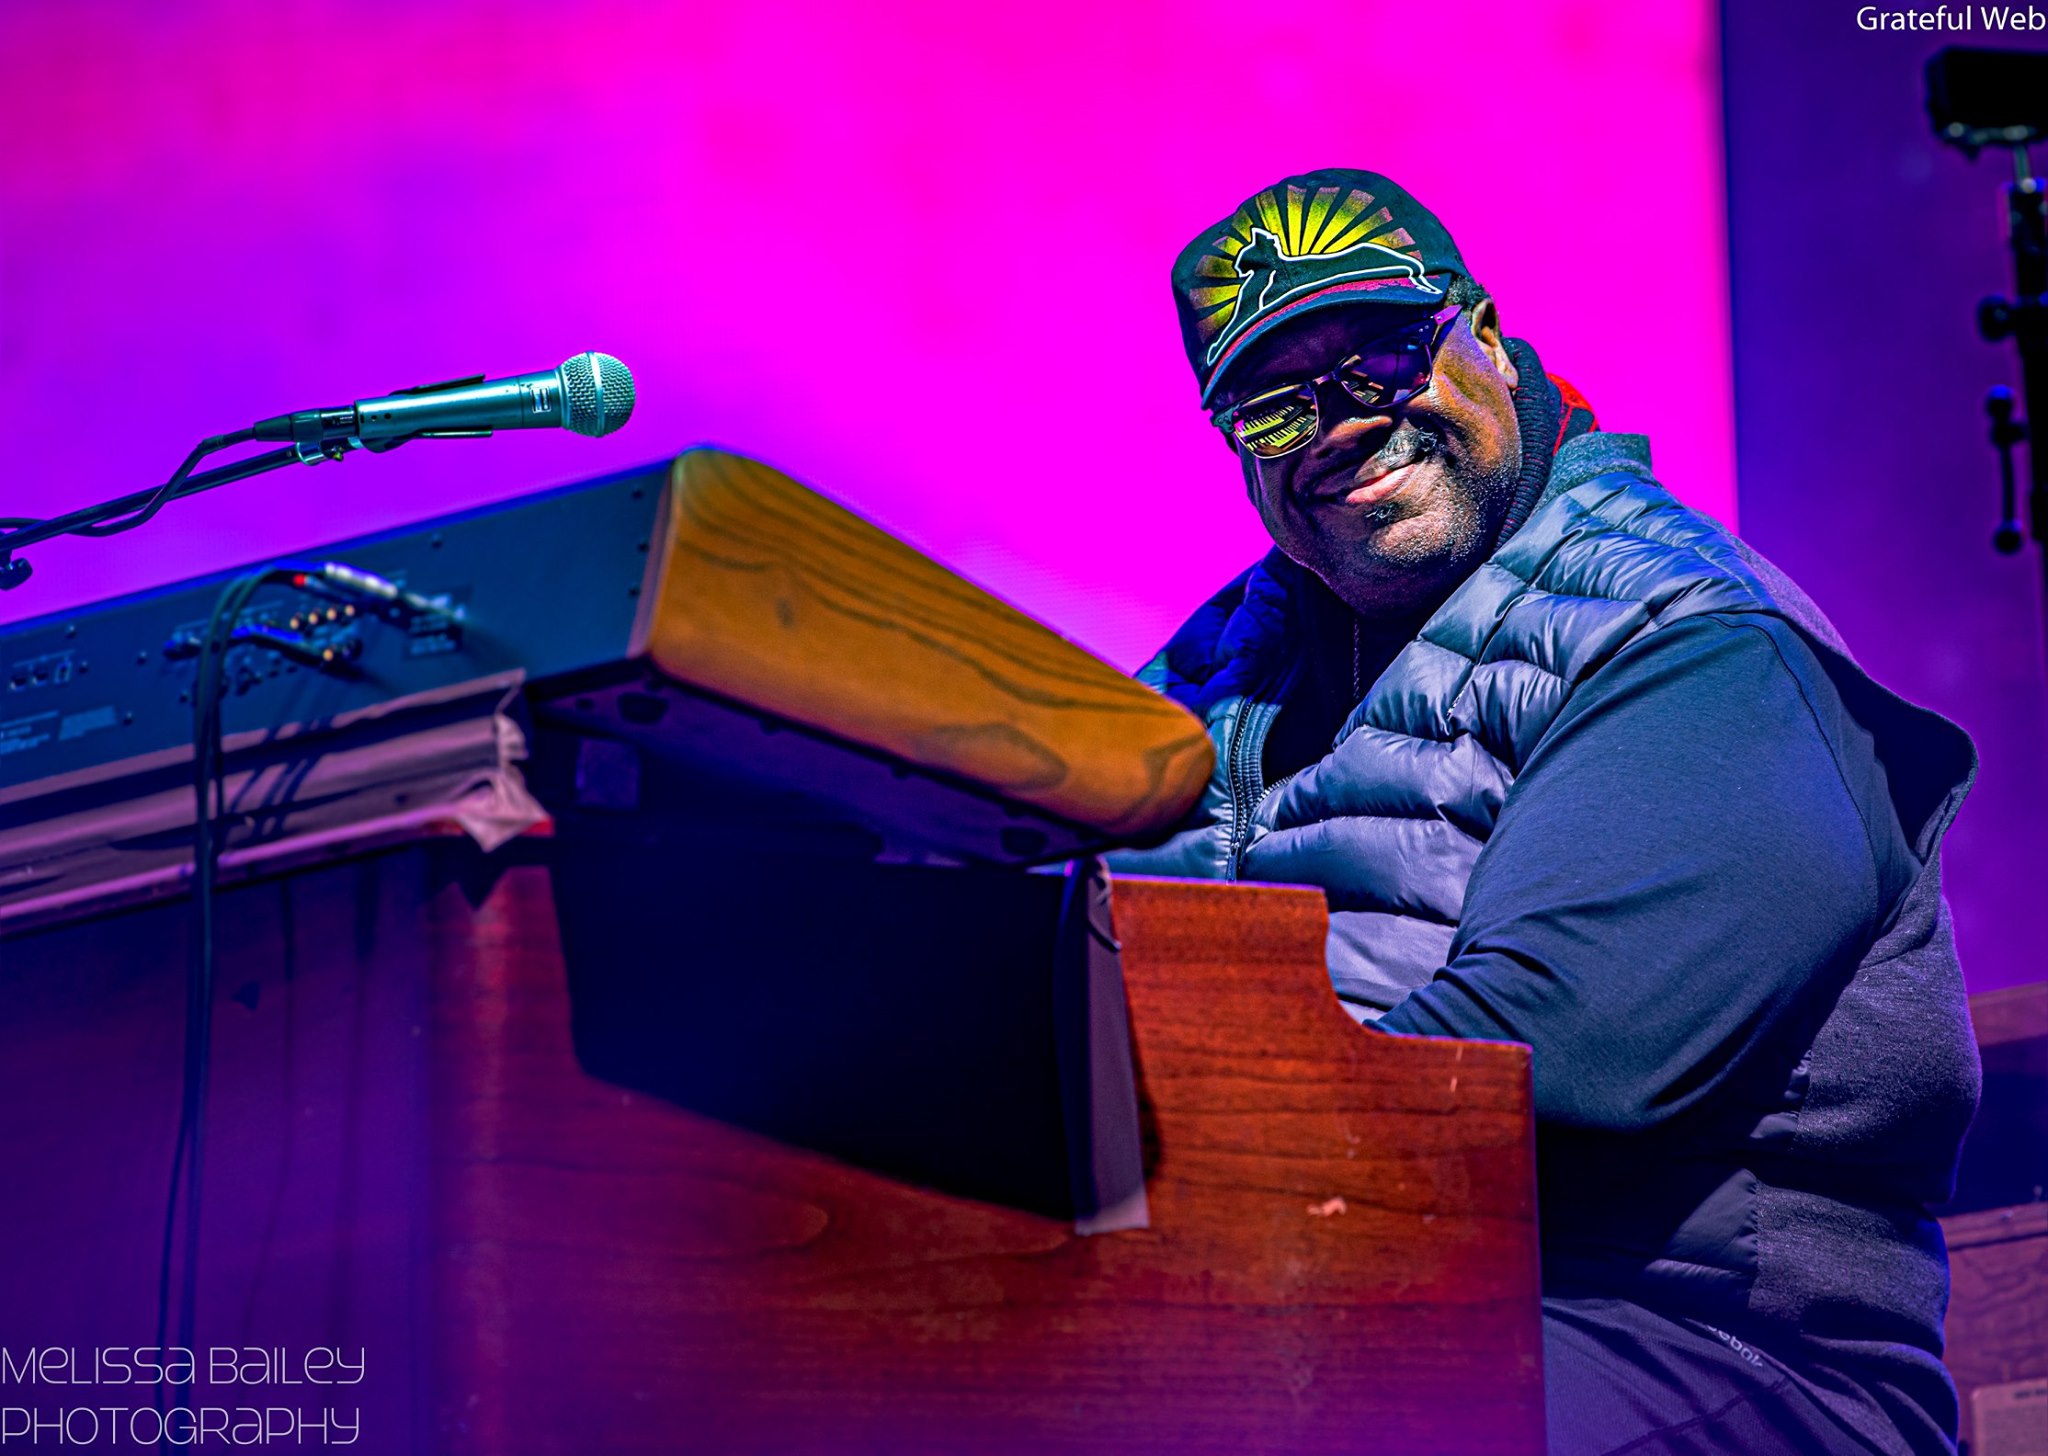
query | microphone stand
(2024,319)
(14,571)
(124,513)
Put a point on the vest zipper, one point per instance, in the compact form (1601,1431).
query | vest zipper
(1247,775)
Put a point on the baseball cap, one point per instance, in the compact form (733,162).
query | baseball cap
(1335,236)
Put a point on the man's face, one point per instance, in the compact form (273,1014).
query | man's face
(1391,508)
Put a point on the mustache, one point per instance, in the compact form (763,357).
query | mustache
(1408,443)
(1411,441)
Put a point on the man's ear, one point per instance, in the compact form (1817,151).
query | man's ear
(1485,321)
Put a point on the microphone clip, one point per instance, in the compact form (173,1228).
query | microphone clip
(314,435)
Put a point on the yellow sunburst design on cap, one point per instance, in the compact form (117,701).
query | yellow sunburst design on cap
(1303,226)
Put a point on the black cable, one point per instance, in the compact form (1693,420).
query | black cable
(198,984)
(209,779)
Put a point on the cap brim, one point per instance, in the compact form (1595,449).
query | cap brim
(1355,293)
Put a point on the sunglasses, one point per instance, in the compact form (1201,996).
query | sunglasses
(1389,371)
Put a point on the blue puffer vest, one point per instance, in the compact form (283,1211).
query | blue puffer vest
(1391,822)
(1802,1222)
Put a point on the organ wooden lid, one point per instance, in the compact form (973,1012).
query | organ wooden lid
(773,596)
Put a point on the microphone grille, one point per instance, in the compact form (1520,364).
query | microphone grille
(600,393)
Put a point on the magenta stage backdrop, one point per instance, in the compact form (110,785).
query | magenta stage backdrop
(913,254)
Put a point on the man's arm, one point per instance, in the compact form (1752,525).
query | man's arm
(1680,879)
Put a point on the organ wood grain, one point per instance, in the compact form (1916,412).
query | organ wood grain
(408,1157)
(2011,1013)
(1342,1253)
(1997,1326)
(776,597)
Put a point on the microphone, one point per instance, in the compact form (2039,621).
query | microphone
(590,393)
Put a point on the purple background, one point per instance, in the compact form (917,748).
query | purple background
(1860,247)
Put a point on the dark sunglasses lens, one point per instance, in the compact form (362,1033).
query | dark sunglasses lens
(1386,373)
(1275,423)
